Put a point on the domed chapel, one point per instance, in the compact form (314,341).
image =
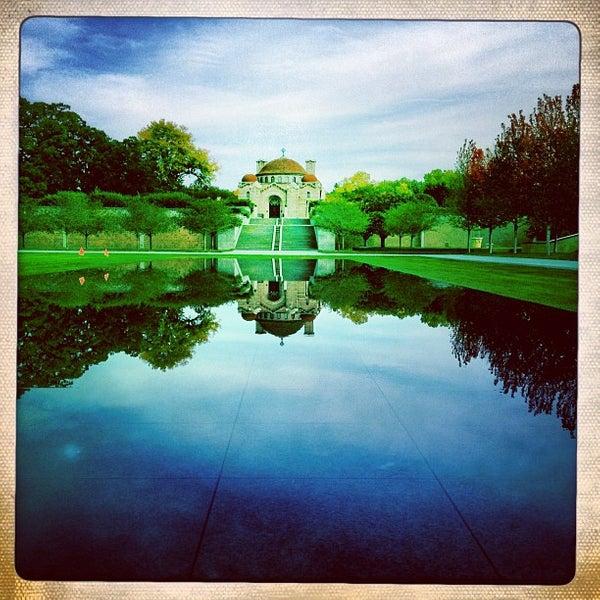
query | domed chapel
(281,188)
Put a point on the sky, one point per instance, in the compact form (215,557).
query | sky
(393,98)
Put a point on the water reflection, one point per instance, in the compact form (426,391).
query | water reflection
(162,311)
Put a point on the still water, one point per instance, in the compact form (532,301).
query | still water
(314,421)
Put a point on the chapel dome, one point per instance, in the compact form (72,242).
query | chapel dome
(249,177)
(282,166)
(309,177)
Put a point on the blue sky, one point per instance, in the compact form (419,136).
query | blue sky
(394,98)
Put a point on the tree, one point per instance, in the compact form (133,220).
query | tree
(32,217)
(126,169)
(89,220)
(144,218)
(512,173)
(441,184)
(71,206)
(341,217)
(359,179)
(411,218)
(170,149)
(58,150)
(375,198)
(464,202)
(556,138)
(208,217)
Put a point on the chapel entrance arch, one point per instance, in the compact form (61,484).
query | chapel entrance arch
(274,207)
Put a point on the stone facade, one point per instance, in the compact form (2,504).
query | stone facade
(281,188)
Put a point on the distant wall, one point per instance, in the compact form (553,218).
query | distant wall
(227,239)
(447,235)
(325,239)
(569,243)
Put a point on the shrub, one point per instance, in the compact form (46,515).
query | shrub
(169,199)
(110,199)
(241,210)
(61,198)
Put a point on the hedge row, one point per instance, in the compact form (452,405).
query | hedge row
(164,199)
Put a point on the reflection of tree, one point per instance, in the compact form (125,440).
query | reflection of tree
(209,288)
(531,348)
(155,313)
(172,340)
(343,292)
(64,327)
(57,345)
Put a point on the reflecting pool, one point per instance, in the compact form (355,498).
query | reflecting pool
(291,420)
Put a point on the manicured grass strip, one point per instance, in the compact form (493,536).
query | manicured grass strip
(35,263)
(551,287)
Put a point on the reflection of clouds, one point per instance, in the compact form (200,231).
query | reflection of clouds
(71,451)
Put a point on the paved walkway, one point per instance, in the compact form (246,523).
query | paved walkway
(571,265)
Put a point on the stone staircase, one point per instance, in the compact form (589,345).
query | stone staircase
(277,234)
(298,234)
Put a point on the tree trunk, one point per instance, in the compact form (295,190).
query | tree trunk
(422,239)
(343,242)
(515,229)
(412,240)
(85,237)
(399,241)
(150,241)
(490,243)
(548,240)
(382,240)
(468,240)
(555,242)
(22,240)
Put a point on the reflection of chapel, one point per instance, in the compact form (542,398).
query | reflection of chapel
(280,308)
(281,188)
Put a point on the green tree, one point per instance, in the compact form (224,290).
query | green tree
(440,185)
(58,150)
(170,149)
(208,217)
(90,220)
(72,212)
(341,217)
(144,218)
(33,217)
(358,180)
(411,218)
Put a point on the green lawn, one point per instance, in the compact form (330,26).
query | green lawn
(552,287)
(34,263)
